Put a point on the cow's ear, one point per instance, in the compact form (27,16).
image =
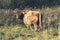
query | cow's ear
(25,11)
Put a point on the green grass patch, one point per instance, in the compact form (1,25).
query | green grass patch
(19,32)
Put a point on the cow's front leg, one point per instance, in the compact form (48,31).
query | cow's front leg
(27,26)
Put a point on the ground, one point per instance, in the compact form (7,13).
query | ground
(19,32)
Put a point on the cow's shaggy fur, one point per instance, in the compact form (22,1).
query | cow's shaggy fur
(30,18)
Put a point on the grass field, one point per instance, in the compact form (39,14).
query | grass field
(19,32)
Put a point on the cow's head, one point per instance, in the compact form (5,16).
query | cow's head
(20,14)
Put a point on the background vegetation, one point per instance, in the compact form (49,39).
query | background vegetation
(21,4)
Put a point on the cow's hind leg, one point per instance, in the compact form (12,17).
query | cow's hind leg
(35,27)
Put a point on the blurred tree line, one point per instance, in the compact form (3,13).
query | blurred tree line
(12,4)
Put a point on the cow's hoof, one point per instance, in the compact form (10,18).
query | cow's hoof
(36,30)
(28,28)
